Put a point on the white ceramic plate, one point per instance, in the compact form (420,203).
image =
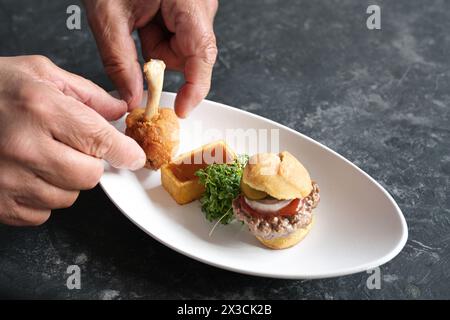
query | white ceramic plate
(358,225)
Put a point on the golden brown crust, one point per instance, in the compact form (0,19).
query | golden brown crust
(280,175)
(187,191)
(288,241)
(181,191)
(159,137)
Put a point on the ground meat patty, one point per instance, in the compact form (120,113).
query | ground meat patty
(272,226)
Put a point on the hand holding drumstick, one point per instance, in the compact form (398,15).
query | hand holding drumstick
(155,129)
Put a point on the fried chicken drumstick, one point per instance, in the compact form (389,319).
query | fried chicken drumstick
(155,129)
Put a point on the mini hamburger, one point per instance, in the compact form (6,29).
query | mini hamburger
(277,198)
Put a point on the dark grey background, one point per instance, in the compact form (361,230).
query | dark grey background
(380,98)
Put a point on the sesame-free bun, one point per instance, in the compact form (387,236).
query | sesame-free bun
(281,175)
(289,241)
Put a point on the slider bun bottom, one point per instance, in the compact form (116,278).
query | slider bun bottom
(288,241)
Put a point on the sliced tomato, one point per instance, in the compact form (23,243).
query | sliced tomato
(291,209)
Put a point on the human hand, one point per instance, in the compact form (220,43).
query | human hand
(179,32)
(52,138)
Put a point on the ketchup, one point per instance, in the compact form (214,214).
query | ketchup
(289,210)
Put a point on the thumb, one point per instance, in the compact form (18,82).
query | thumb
(120,150)
(84,130)
(111,26)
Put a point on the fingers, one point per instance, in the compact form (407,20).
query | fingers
(211,7)
(73,85)
(68,168)
(28,189)
(84,130)
(194,37)
(197,74)
(37,193)
(23,216)
(89,94)
(26,200)
(111,24)
(15,214)
(156,44)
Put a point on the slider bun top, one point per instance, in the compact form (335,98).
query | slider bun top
(281,175)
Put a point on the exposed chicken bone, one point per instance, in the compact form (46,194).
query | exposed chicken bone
(154,74)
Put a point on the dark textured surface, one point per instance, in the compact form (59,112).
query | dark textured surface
(380,98)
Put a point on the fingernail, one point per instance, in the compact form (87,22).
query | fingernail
(138,164)
(183,113)
(126,96)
